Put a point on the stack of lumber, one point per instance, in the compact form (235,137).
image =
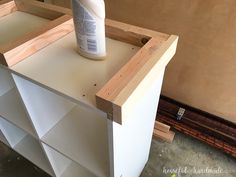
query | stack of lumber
(162,131)
(208,128)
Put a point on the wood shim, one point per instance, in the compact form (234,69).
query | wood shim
(162,131)
(168,137)
(162,127)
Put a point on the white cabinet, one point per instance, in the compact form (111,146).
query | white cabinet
(75,117)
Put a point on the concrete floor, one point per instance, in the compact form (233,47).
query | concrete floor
(189,156)
(185,157)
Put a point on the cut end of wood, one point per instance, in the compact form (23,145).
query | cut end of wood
(162,131)
(162,127)
(168,137)
(114,111)
(103,104)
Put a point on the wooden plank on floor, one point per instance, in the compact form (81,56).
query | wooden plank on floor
(168,137)
(162,127)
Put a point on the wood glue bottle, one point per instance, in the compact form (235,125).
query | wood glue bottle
(89,21)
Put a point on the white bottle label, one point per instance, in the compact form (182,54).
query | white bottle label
(86,29)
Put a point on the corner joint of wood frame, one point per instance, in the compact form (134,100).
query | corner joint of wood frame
(113,111)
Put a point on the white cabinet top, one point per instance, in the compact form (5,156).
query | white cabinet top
(60,68)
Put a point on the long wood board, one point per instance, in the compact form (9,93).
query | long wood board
(15,51)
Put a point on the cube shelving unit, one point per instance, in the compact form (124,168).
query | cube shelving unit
(75,117)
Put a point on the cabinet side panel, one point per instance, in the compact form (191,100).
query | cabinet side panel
(132,139)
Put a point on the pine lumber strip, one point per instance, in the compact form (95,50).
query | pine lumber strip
(7,7)
(162,127)
(42,9)
(132,34)
(23,47)
(168,137)
(151,58)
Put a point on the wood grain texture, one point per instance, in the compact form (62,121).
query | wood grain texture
(115,93)
(206,123)
(131,34)
(162,127)
(63,3)
(200,135)
(25,46)
(7,7)
(41,9)
(168,137)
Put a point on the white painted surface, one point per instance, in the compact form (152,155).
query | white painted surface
(76,171)
(64,167)
(18,24)
(44,107)
(60,68)
(132,139)
(25,145)
(30,148)
(13,134)
(12,109)
(58,162)
(6,82)
(82,136)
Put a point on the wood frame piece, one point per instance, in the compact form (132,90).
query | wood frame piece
(60,25)
(156,51)
(7,7)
